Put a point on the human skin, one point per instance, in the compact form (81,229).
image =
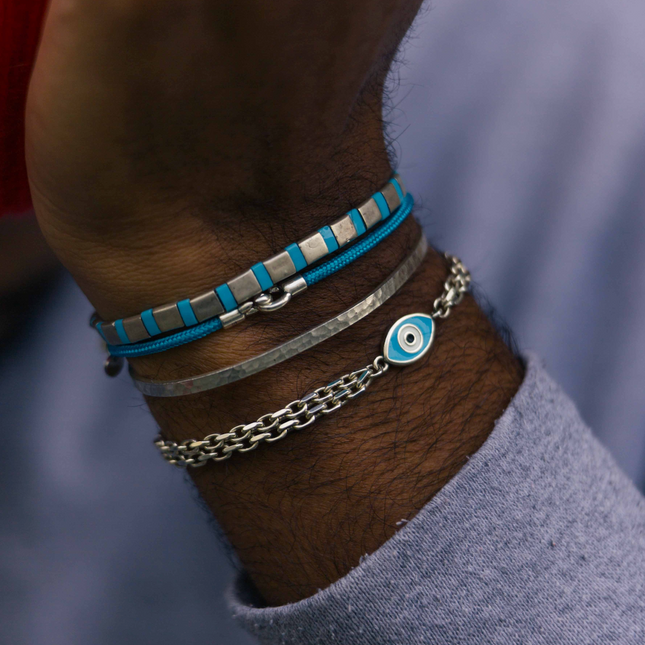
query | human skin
(172,144)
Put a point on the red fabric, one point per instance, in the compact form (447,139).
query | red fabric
(20,22)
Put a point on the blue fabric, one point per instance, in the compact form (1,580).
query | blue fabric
(150,323)
(539,539)
(330,238)
(262,275)
(226,297)
(359,224)
(297,257)
(187,313)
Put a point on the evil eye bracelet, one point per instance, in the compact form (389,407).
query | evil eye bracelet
(227,303)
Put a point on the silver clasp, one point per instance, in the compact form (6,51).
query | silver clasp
(265,303)
(274,299)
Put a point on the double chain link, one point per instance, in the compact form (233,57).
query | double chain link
(301,413)
(275,426)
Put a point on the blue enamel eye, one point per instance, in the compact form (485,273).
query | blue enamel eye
(408,339)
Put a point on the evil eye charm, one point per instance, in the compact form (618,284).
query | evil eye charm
(409,339)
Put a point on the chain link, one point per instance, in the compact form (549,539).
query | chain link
(301,413)
(275,426)
(454,288)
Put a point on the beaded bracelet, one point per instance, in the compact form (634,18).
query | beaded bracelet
(292,287)
(223,301)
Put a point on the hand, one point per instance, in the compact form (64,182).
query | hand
(155,128)
(173,142)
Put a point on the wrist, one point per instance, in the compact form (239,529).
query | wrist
(195,267)
(373,463)
(336,284)
(395,448)
(157,247)
(338,491)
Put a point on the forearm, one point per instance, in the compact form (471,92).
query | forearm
(203,171)
(301,512)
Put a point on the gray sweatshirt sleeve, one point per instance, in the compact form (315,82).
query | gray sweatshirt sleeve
(539,539)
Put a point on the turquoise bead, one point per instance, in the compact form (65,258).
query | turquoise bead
(296,256)
(187,313)
(262,276)
(226,297)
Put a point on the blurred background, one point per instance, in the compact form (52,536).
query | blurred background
(520,127)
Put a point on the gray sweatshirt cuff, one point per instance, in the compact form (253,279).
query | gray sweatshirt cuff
(538,539)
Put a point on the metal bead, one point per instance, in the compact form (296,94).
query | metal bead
(206,306)
(244,286)
(370,212)
(344,230)
(113,365)
(135,329)
(111,335)
(280,266)
(313,247)
(168,317)
(391,197)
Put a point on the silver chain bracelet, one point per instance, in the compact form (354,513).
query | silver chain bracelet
(406,342)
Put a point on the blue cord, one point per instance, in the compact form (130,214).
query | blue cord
(311,277)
